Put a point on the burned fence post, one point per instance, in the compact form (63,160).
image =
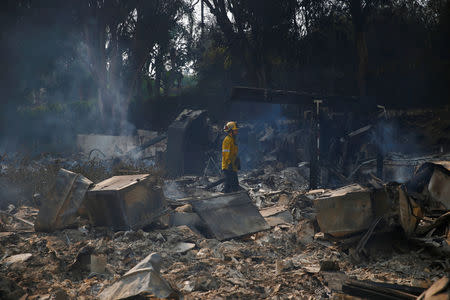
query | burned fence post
(380,152)
(314,173)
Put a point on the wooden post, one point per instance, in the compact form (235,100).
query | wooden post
(314,169)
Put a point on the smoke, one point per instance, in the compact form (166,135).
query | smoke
(261,131)
(398,142)
(399,173)
(253,112)
(172,191)
(11,193)
(393,138)
(51,92)
(111,95)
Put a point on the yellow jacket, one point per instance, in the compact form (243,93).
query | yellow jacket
(229,153)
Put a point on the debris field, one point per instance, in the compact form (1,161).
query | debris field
(101,228)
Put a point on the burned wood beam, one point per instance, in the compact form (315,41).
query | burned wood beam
(374,290)
(262,95)
(215,183)
(146,145)
(443,219)
(17,218)
(362,243)
(359,131)
(241,93)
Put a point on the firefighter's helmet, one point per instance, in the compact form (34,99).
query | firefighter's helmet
(230,126)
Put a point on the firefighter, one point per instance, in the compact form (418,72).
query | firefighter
(230,159)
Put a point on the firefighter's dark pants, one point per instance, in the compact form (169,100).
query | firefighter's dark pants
(231,181)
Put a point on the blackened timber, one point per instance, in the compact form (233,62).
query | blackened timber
(305,101)
(374,290)
(148,144)
(362,243)
(262,95)
(215,183)
(314,167)
(17,218)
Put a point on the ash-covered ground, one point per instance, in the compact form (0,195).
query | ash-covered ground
(294,259)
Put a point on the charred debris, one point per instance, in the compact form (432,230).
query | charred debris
(333,205)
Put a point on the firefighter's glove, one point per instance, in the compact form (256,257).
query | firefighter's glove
(238,163)
(230,167)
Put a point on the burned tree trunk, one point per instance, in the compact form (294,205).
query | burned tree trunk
(359,13)
(361,47)
(159,65)
(94,30)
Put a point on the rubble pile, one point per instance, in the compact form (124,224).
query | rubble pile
(22,175)
(107,224)
(293,254)
(286,260)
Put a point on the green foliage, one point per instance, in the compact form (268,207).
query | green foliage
(83,107)
(40,111)
(311,46)
(189,81)
(55,64)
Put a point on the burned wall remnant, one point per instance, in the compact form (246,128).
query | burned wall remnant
(187,143)
(109,145)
